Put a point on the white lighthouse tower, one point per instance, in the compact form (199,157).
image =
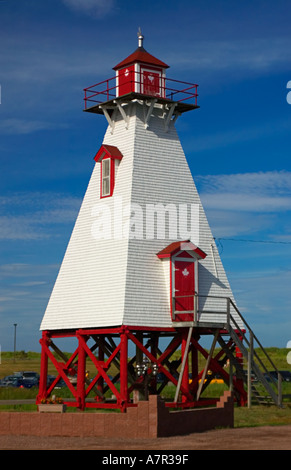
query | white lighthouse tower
(141,238)
(141,265)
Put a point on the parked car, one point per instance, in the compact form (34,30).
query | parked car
(61,384)
(50,379)
(28,374)
(30,382)
(285,374)
(28,379)
(11,381)
(161,377)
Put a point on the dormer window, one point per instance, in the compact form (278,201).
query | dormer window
(106,179)
(107,156)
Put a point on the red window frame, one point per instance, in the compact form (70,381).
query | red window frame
(111,177)
(107,153)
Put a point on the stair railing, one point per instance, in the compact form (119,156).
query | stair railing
(244,338)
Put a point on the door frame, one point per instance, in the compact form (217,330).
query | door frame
(144,68)
(179,257)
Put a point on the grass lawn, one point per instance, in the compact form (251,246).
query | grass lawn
(262,416)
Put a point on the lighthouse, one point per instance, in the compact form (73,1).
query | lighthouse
(141,235)
(141,280)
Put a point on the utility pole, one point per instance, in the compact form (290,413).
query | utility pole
(15,325)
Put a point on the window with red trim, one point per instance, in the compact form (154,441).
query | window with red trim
(107,156)
(106,178)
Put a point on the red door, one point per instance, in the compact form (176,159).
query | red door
(151,83)
(184,286)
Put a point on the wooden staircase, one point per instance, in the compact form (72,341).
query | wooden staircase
(261,385)
(252,370)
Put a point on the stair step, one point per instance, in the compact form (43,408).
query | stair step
(244,342)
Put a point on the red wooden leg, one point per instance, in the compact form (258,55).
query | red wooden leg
(81,374)
(123,369)
(42,392)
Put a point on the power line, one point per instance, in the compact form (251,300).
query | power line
(243,240)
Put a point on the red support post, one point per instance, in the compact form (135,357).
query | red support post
(85,98)
(42,392)
(81,373)
(195,369)
(185,378)
(123,369)
(154,349)
(159,361)
(100,381)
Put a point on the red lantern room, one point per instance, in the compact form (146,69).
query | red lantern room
(139,75)
(141,72)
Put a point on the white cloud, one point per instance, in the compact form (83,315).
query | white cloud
(35,216)
(25,271)
(18,228)
(247,203)
(262,191)
(22,126)
(256,289)
(236,223)
(30,283)
(97,8)
(257,55)
(247,134)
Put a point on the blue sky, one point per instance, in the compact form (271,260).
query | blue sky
(237,144)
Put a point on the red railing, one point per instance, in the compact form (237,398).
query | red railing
(173,90)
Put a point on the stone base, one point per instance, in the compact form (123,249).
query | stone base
(150,419)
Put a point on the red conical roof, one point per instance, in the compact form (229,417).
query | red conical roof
(141,55)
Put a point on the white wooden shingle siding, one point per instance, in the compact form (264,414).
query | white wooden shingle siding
(110,282)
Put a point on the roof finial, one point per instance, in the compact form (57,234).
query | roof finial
(140,38)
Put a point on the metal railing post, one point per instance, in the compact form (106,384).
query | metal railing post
(85,98)
(173,308)
(250,360)
(230,377)
(195,308)
(279,390)
(228,313)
